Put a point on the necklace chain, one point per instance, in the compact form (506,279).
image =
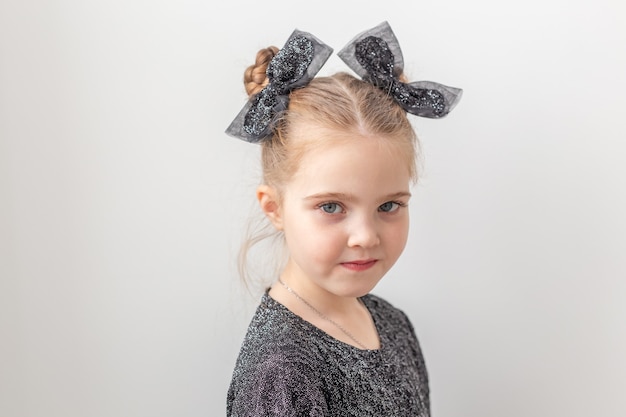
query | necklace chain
(322,315)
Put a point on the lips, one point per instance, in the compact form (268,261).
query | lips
(359,265)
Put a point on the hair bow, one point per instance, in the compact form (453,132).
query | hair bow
(376,57)
(292,67)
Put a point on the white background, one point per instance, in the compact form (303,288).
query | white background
(122,201)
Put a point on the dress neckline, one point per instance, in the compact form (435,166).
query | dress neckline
(271,302)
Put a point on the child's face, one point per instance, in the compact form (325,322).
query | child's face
(345,216)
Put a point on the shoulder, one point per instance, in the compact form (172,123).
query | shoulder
(277,341)
(393,325)
(378,301)
(277,368)
(382,308)
(274,328)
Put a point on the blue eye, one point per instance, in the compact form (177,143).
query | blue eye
(388,207)
(331,208)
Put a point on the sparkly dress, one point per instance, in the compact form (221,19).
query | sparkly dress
(288,367)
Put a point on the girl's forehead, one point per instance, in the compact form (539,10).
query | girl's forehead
(341,148)
(352,164)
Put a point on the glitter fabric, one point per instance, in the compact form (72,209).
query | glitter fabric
(294,66)
(288,367)
(287,67)
(376,56)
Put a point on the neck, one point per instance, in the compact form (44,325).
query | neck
(343,317)
(323,299)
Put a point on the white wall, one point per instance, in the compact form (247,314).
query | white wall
(122,202)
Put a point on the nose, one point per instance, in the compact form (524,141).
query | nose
(363,233)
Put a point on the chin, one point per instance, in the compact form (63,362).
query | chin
(358,289)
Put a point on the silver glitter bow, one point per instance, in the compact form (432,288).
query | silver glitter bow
(376,57)
(294,66)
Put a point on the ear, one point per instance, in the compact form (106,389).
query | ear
(270,204)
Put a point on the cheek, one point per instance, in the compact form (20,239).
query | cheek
(325,243)
(304,233)
(397,236)
(316,244)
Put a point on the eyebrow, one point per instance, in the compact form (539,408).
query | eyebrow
(351,197)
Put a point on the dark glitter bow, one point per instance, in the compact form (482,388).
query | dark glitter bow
(376,57)
(294,66)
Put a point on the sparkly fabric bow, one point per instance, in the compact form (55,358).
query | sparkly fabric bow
(376,57)
(294,66)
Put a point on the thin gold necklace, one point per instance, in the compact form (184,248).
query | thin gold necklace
(323,316)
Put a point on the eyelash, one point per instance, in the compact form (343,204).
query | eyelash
(399,204)
(328,203)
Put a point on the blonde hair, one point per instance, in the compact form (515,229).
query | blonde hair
(340,104)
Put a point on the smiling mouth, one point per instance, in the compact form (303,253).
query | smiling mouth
(359,265)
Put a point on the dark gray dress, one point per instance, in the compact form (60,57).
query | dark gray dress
(288,367)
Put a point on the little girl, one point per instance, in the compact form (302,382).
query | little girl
(338,157)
